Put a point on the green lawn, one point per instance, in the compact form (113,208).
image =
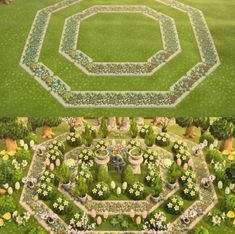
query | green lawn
(23,96)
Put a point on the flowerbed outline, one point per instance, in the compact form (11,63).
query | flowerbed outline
(116,99)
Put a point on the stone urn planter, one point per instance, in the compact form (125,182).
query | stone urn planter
(171,186)
(135,158)
(83,199)
(155,199)
(66,186)
(102,157)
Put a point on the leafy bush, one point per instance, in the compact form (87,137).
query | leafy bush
(150,156)
(156,221)
(174,205)
(23,155)
(81,187)
(136,191)
(61,206)
(54,156)
(64,174)
(173,173)
(57,145)
(86,157)
(86,174)
(152,175)
(49,177)
(46,191)
(190,191)
(149,138)
(214,155)
(31,137)
(230,172)
(103,174)
(157,186)
(7,204)
(208,137)
(143,131)
(228,203)
(36,230)
(133,129)
(188,176)
(183,155)
(73,139)
(179,145)
(221,175)
(100,191)
(128,175)
(162,139)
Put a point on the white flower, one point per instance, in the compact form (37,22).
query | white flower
(21,143)
(119,191)
(26,147)
(113,185)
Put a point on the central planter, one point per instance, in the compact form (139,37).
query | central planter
(135,158)
(102,157)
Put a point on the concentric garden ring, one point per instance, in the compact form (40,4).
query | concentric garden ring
(68,45)
(136,99)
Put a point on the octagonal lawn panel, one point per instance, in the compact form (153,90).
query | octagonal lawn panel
(70,35)
(30,60)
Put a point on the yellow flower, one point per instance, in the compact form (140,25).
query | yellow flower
(1,222)
(231,157)
(231,214)
(3,152)
(225,152)
(234,222)
(11,153)
(7,216)
(5,157)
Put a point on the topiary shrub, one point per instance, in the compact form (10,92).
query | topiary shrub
(208,137)
(157,186)
(87,136)
(149,139)
(128,175)
(81,187)
(64,174)
(103,174)
(214,155)
(173,173)
(103,131)
(133,129)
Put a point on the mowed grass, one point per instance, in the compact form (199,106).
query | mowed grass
(22,95)
(119,37)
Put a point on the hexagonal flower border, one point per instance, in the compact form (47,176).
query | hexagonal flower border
(137,99)
(68,45)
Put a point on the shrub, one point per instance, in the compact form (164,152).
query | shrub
(128,175)
(149,138)
(86,174)
(156,222)
(179,145)
(157,186)
(61,206)
(57,145)
(49,177)
(7,204)
(208,137)
(23,155)
(190,191)
(136,191)
(188,176)
(55,155)
(73,139)
(46,191)
(87,136)
(64,174)
(81,187)
(230,172)
(133,129)
(221,175)
(151,176)
(228,203)
(100,191)
(173,173)
(143,131)
(6,172)
(214,155)
(86,157)
(31,137)
(103,174)
(162,139)
(103,131)
(174,205)
(183,155)
(150,156)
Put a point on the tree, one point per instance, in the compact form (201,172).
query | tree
(46,124)
(188,123)
(103,128)
(12,129)
(149,137)
(203,123)
(133,129)
(224,130)
(81,187)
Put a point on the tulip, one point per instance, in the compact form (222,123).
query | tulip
(17,185)
(144,214)
(99,220)
(26,147)
(93,213)
(132,213)
(47,162)
(57,162)
(185,166)
(10,190)
(227,190)
(124,185)
(179,162)
(190,162)
(52,166)
(220,185)
(138,220)
(21,143)
(119,191)
(113,185)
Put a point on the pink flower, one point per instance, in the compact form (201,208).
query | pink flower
(132,213)
(47,162)
(57,162)
(138,220)
(185,166)
(52,166)
(190,162)
(144,214)
(179,162)
(93,213)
